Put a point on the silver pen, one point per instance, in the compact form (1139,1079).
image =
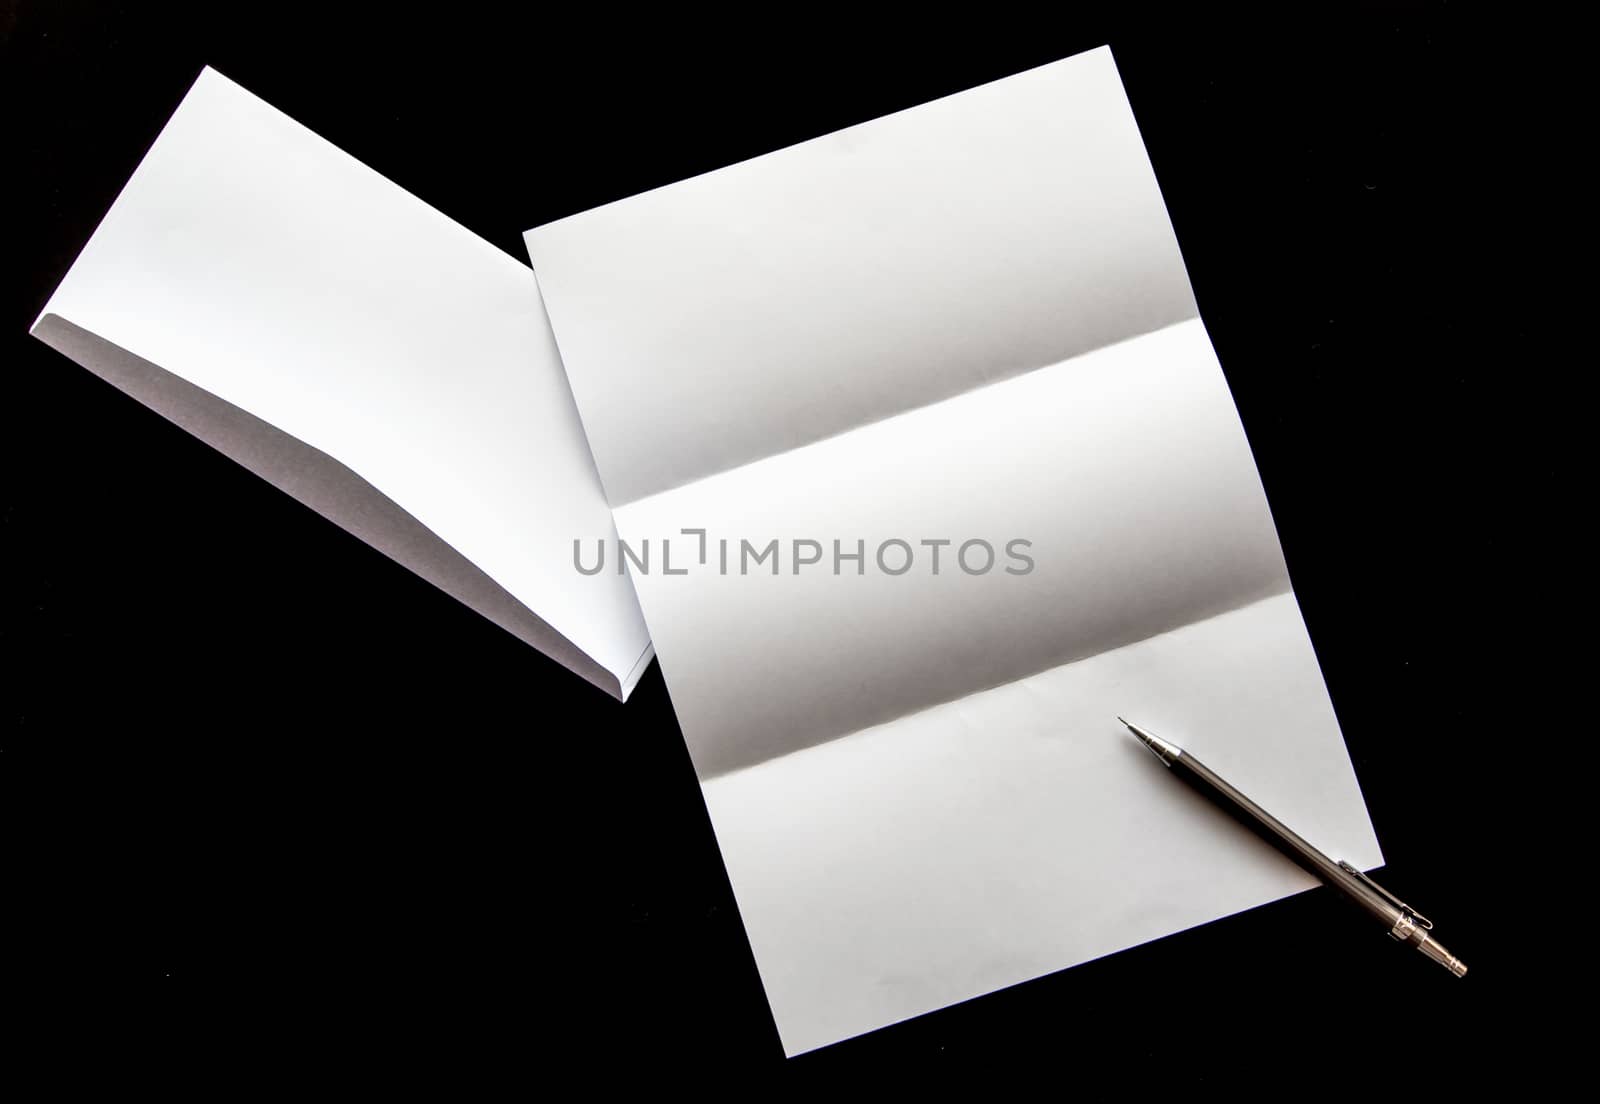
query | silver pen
(1405,923)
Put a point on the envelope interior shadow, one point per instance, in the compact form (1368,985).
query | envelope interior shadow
(325,485)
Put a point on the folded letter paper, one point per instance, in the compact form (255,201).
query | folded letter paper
(965,321)
(362,352)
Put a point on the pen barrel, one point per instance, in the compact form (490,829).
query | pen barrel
(1281,837)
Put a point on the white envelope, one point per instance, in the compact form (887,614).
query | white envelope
(362,352)
(968,323)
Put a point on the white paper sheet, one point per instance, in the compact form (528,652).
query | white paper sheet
(361,351)
(966,321)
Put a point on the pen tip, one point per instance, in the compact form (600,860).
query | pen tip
(1160,748)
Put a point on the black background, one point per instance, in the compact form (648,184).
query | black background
(289,804)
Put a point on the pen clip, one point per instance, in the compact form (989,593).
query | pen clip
(1421,920)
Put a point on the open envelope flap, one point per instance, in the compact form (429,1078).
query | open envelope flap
(361,351)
